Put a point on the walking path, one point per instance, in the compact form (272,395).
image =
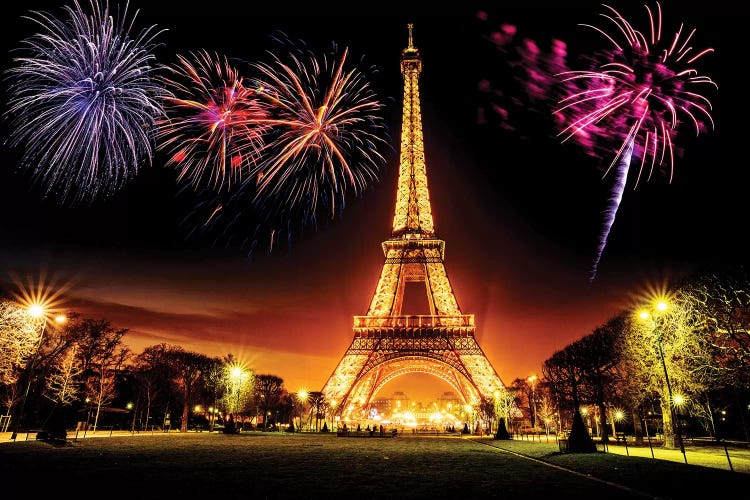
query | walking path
(733,457)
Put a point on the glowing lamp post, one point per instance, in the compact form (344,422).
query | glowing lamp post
(662,306)
(237,376)
(336,418)
(302,396)
(36,311)
(532,379)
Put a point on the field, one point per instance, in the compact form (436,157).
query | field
(258,465)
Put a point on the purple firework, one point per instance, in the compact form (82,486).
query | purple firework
(82,101)
(635,96)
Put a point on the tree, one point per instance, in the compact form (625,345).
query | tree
(667,347)
(599,358)
(317,402)
(62,385)
(189,367)
(214,383)
(268,389)
(505,405)
(238,386)
(20,338)
(487,412)
(62,388)
(721,297)
(102,355)
(155,375)
(563,373)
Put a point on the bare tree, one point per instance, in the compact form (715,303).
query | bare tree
(62,388)
(721,298)
(155,374)
(268,390)
(62,385)
(189,367)
(102,355)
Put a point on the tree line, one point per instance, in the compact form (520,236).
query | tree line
(665,368)
(648,369)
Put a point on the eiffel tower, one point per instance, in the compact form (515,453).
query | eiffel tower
(388,344)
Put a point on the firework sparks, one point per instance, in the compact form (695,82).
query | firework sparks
(525,83)
(322,139)
(82,101)
(213,128)
(634,98)
(327,133)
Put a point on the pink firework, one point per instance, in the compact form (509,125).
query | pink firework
(636,96)
(214,127)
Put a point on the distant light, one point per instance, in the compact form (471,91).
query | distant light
(644,315)
(678,399)
(129,406)
(661,305)
(61,318)
(36,310)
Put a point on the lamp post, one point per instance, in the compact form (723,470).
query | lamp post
(335,418)
(302,396)
(532,379)
(35,311)
(662,306)
(237,375)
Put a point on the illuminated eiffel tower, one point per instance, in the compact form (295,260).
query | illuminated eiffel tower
(388,344)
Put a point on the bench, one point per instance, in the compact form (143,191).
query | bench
(620,437)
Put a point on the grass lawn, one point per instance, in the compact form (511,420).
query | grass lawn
(303,466)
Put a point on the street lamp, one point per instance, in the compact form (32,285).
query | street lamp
(336,418)
(36,311)
(130,407)
(302,396)
(237,375)
(662,306)
(532,379)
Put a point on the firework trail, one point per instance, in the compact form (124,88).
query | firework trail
(327,131)
(82,101)
(213,130)
(632,98)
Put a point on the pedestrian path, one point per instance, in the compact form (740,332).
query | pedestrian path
(734,457)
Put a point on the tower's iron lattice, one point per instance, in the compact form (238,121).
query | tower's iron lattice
(388,344)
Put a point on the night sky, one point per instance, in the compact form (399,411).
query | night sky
(520,213)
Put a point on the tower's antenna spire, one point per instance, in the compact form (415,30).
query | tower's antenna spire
(411,39)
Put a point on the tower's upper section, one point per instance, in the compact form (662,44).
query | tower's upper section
(413,215)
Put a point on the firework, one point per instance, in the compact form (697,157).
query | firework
(327,131)
(524,85)
(213,130)
(82,101)
(634,100)
(322,140)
